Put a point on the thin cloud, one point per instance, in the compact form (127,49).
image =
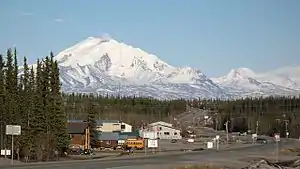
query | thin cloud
(59,20)
(27,14)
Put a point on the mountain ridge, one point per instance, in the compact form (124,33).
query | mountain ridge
(106,66)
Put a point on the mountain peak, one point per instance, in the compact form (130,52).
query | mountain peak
(240,73)
(92,49)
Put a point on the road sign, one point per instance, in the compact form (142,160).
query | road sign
(5,152)
(277,137)
(152,143)
(13,130)
(210,145)
(150,135)
(254,136)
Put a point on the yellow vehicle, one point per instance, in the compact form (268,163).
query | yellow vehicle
(135,143)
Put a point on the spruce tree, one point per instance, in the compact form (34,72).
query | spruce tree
(59,118)
(25,108)
(2,102)
(91,121)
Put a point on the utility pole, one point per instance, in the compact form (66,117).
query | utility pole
(217,121)
(286,128)
(257,123)
(227,137)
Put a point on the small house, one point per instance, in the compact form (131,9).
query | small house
(77,133)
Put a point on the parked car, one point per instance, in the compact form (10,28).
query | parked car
(173,141)
(261,141)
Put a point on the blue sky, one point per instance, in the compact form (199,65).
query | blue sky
(212,35)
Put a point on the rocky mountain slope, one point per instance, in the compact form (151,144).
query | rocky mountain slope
(106,66)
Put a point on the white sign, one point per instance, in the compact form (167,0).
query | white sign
(152,143)
(277,137)
(210,145)
(13,130)
(5,152)
(217,137)
(254,136)
(206,117)
(150,135)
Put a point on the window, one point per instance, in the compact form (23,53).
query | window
(122,126)
(166,133)
(175,133)
(159,128)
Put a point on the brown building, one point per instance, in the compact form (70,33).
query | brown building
(76,131)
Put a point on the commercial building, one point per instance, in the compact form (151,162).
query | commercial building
(164,130)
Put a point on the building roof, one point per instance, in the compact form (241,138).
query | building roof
(161,123)
(108,136)
(100,122)
(75,121)
(134,133)
(123,137)
(76,127)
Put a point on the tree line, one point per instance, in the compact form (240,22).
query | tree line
(268,115)
(132,110)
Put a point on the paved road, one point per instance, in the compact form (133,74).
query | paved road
(159,160)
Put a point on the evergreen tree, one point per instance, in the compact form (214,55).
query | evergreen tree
(59,116)
(2,102)
(91,121)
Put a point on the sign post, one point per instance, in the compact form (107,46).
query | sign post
(13,130)
(277,139)
(217,139)
(148,136)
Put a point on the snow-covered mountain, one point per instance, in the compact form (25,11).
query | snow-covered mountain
(109,67)
(244,82)
(105,66)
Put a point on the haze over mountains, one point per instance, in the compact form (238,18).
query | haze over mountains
(106,66)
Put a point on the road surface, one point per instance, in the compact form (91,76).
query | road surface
(160,161)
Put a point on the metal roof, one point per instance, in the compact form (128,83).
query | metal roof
(75,121)
(134,133)
(76,127)
(108,136)
(100,122)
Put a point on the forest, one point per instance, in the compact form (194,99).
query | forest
(31,96)
(263,115)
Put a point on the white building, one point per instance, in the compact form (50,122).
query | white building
(113,126)
(164,130)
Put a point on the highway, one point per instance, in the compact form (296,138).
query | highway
(158,160)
